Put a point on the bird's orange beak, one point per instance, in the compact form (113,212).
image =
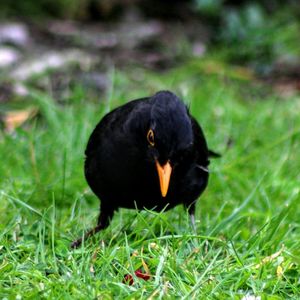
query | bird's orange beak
(164,174)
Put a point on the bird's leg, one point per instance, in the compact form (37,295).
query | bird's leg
(193,221)
(191,210)
(103,221)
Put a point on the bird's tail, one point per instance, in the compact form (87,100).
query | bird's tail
(213,154)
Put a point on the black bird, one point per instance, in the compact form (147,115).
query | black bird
(149,153)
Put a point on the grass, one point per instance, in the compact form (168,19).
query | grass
(247,239)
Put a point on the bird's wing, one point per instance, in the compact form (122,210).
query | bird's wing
(200,145)
(111,124)
(199,136)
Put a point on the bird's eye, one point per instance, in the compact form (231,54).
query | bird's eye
(150,137)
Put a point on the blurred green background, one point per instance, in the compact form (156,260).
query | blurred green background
(89,37)
(262,31)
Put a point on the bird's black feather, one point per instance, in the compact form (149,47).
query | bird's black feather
(120,165)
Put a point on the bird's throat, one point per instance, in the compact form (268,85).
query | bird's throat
(164,175)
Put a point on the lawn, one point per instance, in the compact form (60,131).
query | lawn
(248,237)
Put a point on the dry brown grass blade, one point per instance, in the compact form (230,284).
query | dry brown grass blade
(16,118)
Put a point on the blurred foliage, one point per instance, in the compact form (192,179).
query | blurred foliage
(209,7)
(43,8)
(220,10)
(256,32)
(259,38)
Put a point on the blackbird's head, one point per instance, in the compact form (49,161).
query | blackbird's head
(169,135)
